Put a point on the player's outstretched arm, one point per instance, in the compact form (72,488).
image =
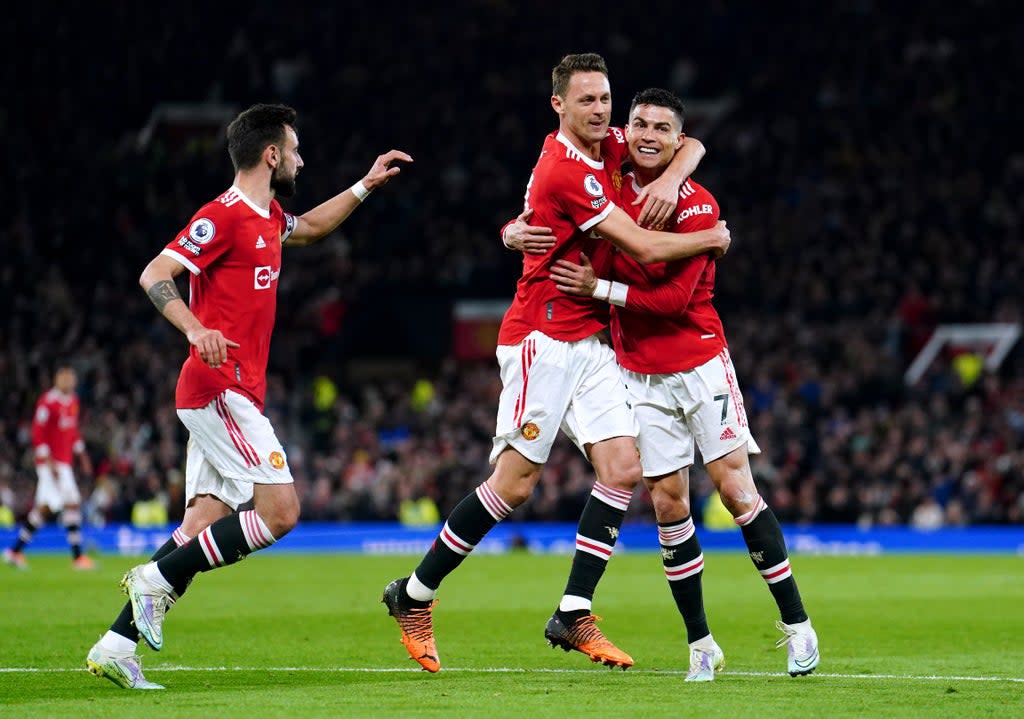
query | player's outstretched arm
(322,219)
(659,198)
(648,246)
(158,282)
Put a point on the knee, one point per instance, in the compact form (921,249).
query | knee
(517,488)
(738,494)
(624,473)
(282,518)
(669,508)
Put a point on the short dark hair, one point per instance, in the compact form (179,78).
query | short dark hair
(572,64)
(659,98)
(254,129)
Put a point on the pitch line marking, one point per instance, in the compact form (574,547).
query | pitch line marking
(518,670)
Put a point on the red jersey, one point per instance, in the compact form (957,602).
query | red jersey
(232,247)
(668,324)
(55,427)
(570,193)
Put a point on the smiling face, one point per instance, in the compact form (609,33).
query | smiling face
(654,134)
(585,109)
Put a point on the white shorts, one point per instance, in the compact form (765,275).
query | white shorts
(549,385)
(702,405)
(231,446)
(56,490)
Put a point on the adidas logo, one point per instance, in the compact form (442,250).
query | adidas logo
(260,243)
(727,434)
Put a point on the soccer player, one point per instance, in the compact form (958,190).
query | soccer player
(557,374)
(232,248)
(675,362)
(55,441)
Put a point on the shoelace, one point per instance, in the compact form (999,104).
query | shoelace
(416,622)
(585,631)
(787,634)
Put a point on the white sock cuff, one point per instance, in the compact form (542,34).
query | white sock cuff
(71,517)
(418,590)
(745,519)
(152,574)
(114,643)
(257,536)
(618,498)
(571,603)
(675,534)
(180,538)
(495,505)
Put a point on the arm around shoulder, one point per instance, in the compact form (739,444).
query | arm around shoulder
(647,246)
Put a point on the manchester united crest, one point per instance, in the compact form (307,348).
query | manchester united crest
(530,431)
(617,180)
(276,460)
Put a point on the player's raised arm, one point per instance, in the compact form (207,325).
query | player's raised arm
(322,219)
(648,246)
(158,282)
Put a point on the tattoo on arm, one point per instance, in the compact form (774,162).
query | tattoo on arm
(163,292)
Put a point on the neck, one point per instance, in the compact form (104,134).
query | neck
(590,149)
(645,176)
(256,186)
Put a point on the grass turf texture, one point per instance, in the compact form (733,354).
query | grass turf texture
(284,635)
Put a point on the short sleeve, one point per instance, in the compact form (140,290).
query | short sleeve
(203,240)
(580,193)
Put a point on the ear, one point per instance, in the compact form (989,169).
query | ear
(679,140)
(556,104)
(272,156)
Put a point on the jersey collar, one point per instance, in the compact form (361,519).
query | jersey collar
(265,214)
(575,152)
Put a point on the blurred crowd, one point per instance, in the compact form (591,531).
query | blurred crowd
(862,153)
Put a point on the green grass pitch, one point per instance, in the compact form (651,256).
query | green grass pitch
(284,635)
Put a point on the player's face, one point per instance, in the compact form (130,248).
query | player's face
(653,136)
(586,108)
(65,380)
(282,180)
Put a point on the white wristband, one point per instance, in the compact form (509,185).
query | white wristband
(360,191)
(613,292)
(617,296)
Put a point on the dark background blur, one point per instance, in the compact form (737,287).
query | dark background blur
(865,154)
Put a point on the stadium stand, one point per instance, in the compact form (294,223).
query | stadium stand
(872,194)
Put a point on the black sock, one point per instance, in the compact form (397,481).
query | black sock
(684,568)
(124,624)
(224,542)
(75,540)
(596,535)
(767,548)
(471,519)
(28,530)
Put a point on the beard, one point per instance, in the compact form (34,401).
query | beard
(282,186)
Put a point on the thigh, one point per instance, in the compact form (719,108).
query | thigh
(714,409)
(537,384)
(600,408)
(665,442)
(237,440)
